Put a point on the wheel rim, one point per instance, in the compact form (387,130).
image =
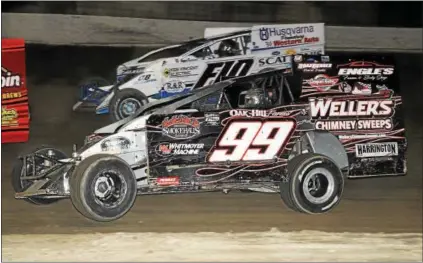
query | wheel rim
(129,106)
(318,185)
(109,188)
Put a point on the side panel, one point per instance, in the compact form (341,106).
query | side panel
(191,150)
(184,76)
(15,111)
(289,39)
(357,98)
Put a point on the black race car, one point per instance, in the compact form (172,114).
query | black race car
(254,132)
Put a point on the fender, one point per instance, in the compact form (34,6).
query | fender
(325,143)
(147,83)
(103,108)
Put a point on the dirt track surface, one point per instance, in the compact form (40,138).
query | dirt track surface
(269,246)
(391,205)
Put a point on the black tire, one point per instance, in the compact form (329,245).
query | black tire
(82,187)
(300,171)
(20,186)
(120,98)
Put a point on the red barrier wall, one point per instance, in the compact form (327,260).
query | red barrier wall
(14,93)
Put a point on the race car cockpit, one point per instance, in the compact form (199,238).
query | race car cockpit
(263,93)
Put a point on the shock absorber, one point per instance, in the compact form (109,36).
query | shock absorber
(50,154)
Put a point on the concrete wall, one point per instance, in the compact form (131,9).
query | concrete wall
(58,29)
(357,13)
(286,12)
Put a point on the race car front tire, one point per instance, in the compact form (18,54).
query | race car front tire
(125,103)
(103,187)
(314,184)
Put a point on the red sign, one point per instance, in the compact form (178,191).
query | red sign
(14,94)
(168,181)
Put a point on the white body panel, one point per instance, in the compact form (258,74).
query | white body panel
(136,152)
(141,62)
(289,39)
(292,38)
(178,75)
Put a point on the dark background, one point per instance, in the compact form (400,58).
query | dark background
(342,13)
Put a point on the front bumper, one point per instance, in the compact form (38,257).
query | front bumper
(53,185)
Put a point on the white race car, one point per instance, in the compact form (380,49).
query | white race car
(179,68)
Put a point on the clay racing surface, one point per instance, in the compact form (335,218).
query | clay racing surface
(378,219)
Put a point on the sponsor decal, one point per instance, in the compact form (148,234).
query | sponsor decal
(314,67)
(174,86)
(271,134)
(10,79)
(11,95)
(362,70)
(290,52)
(132,70)
(330,108)
(166,72)
(168,181)
(115,144)
(376,149)
(9,116)
(298,58)
(276,53)
(288,37)
(294,42)
(378,110)
(266,33)
(180,127)
(345,87)
(222,70)
(212,119)
(145,78)
(361,136)
(322,82)
(366,71)
(352,125)
(278,60)
(179,72)
(257,113)
(361,88)
(166,148)
(92,138)
(311,51)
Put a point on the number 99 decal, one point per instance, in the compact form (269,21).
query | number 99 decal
(252,140)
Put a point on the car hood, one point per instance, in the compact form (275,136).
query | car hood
(132,67)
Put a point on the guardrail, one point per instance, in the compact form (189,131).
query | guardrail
(54,29)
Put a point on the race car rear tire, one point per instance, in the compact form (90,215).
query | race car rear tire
(19,185)
(122,100)
(314,171)
(103,187)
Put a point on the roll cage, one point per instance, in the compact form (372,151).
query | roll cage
(272,78)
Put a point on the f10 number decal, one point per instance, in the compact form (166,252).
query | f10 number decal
(214,71)
(252,140)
